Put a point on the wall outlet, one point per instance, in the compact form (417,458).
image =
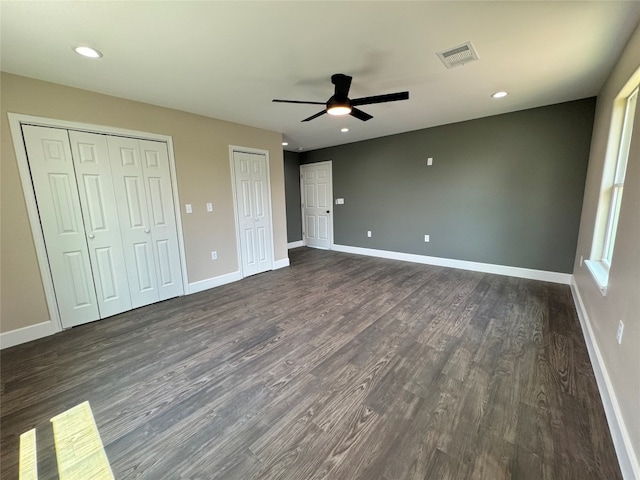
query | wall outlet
(427,238)
(214,255)
(209,207)
(429,161)
(369,233)
(620,332)
(187,208)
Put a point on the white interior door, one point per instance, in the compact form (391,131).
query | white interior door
(317,197)
(56,191)
(135,226)
(98,202)
(162,219)
(254,214)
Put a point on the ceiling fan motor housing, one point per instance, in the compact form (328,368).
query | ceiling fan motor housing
(336,101)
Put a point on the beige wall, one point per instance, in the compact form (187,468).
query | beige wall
(622,302)
(201,148)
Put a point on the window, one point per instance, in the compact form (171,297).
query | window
(601,258)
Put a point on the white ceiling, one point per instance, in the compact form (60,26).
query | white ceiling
(228,60)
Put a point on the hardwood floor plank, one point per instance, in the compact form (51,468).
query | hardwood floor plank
(339,367)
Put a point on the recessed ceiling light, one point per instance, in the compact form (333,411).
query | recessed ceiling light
(501,94)
(344,130)
(86,51)
(284,144)
(300,148)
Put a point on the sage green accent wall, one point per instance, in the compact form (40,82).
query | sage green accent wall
(504,190)
(292,196)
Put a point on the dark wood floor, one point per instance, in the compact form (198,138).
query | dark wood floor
(339,367)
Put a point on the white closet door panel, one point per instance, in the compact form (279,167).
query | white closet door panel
(157,176)
(110,284)
(144,266)
(133,214)
(261,209)
(244,207)
(261,244)
(250,249)
(52,172)
(80,283)
(247,210)
(166,276)
(252,204)
(136,202)
(95,185)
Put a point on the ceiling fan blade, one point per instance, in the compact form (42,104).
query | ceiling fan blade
(298,101)
(315,116)
(360,115)
(390,97)
(342,83)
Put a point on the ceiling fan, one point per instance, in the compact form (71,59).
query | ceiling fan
(340,104)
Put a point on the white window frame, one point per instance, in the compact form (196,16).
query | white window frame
(604,240)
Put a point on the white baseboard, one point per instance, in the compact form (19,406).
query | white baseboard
(299,243)
(281,263)
(208,283)
(27,334)
(554,277)
(627,458)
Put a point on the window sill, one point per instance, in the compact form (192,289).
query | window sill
(600,274)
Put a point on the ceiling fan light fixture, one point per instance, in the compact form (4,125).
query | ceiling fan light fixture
(500,94)
(339,106)
(339,110)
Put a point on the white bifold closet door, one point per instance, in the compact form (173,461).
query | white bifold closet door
(144,199)
(98,204)
(56,191)
(106,210)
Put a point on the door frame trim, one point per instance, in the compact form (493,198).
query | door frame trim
(258,151)
(330,164)
(16,120)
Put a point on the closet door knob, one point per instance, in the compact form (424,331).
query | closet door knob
(146,230)
(92,236)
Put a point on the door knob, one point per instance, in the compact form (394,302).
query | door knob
(92,236)
(328,211)
(146,230)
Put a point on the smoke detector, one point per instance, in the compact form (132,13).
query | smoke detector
(458,55)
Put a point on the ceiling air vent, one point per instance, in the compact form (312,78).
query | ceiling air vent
(458,55)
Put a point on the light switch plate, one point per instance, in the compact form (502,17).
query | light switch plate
(187,208)
(209,207)
(339,201)
(620,332)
